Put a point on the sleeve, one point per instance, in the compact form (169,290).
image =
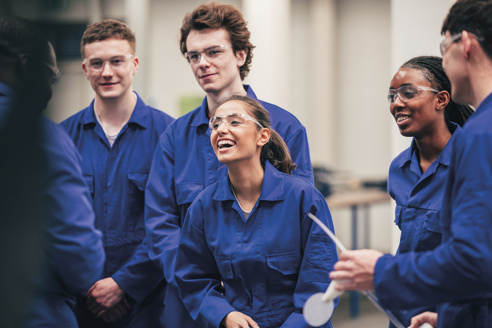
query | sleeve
(140,276)
(162,216)
(424,279)
(299,151)
(197,276)
(75,245)
(320,255)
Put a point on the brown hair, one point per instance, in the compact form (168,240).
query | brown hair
(107,29)
(216,16)
(275,150)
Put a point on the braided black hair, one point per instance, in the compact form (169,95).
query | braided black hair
(431,68)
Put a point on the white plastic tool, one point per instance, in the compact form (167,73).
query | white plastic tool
(426,325)
(319,307)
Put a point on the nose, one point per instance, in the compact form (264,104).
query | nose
(223,127)
(107,69)
(203,61)
(398,102)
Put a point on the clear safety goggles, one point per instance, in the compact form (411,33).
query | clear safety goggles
(407,93)
(210,54)
(232,121)
(116,62)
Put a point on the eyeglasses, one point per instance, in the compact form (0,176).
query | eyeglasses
(407,93)
(210,54)
(232,121)
(116,62)
(446,42)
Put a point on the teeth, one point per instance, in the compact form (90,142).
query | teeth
(224,143)
(401,118)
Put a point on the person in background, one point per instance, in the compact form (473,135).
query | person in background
(251,230)
(53,253)
(215,42)
(420,101)
(116,136)
(456,274)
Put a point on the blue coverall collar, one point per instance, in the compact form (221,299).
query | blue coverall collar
(202,117)
(444,158)
(272,189)
(485,103)
(139,115)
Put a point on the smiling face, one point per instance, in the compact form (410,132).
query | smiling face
(222,73)
(417,117)
(113,80)
(240,143)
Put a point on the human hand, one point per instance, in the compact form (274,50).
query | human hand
(117,312)
(357,269)
(237,319)
(425,317)
(103,295)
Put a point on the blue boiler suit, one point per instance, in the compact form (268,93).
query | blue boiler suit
(116,177)
(75,255)
(269,264)
(456,274)
(418,200)
(184,164)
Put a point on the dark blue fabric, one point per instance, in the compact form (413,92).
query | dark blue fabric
(184,164)
(269,264)
(456,274)
(116,177)
(418,200)
(75,253)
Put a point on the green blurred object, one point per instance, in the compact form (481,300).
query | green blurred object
(189,102)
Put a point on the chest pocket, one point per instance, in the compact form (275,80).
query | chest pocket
(431,235)
(135,200)
(187,192)
(285,263)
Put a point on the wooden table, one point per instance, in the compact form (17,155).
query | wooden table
(355,200)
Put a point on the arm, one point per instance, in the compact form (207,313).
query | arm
(75,245)
(162,217)
(197,276)
(138,277)
(429,278)
(320,255)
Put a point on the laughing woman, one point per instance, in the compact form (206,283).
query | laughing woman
(420,102)
(252,232)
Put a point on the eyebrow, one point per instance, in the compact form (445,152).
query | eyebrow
(403,85)
(196,51)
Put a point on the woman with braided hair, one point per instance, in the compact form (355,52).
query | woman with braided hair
(420,101)
(251,231)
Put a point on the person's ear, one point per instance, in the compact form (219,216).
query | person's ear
(264,137)
(86,71)
(466,40)
(241,57)
(443,99)
(135,65)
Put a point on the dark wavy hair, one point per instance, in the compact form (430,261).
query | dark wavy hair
(108,29)
(474,16)
(431,68)
(216,16)
(275,150)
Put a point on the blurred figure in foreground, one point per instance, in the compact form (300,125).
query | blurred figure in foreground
(50,250)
